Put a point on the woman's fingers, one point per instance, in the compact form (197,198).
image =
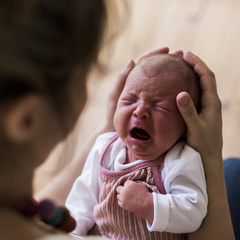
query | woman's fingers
(204,129)
(177,52)
(156,51)
(207,77)
(210,100)
(116,92)
(152,52)
(119,84)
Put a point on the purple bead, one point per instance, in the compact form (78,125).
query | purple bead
(47,209)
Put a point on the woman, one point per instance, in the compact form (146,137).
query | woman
(47,48)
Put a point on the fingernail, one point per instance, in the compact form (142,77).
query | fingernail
(184,100)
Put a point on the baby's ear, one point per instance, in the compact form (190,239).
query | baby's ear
(22,118)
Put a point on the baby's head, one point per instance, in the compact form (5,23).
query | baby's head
(176,70)
(147,118)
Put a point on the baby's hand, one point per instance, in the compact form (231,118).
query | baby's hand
(135,197)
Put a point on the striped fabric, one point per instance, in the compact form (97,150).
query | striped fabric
(117,223)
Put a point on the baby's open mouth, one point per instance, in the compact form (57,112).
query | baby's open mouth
(140,134)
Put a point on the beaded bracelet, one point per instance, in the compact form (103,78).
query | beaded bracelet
(48,213)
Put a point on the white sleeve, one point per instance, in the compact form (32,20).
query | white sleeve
(85,191)
(184,206)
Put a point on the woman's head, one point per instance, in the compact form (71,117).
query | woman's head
(47,48)
(38,54)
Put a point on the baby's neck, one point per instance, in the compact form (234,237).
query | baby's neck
(132,158)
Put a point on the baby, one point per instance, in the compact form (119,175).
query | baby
(144,182)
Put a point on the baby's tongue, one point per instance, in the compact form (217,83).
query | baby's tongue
(141,134)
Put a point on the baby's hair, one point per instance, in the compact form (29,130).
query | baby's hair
(175,63)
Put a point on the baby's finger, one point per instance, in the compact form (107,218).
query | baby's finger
(120,204)
(128,182)
(119,189)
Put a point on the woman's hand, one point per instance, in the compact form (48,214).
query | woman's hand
(152,52)
(204,134)
(115,94)
(205,128)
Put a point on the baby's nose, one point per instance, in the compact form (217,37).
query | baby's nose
(141,112)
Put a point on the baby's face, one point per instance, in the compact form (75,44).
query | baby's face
(147,118)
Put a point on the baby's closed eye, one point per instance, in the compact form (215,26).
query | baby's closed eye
(127,100)
(162,106)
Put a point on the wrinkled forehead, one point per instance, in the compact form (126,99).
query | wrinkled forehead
(161,67)
(175,67)
(172,69)
(164,63)
(155,82)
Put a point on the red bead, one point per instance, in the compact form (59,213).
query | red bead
(67,224)
(28,207)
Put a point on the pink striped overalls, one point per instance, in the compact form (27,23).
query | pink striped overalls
(117,223)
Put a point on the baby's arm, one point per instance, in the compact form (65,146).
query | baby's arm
(82,198)
(184,206)
(85,191)
(135,197)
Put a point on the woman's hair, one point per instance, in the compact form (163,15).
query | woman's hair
(42,40)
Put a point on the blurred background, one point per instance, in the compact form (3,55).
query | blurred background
(208,28)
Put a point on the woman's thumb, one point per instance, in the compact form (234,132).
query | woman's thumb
(187,109)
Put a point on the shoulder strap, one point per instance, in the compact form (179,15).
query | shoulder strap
(106,146)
